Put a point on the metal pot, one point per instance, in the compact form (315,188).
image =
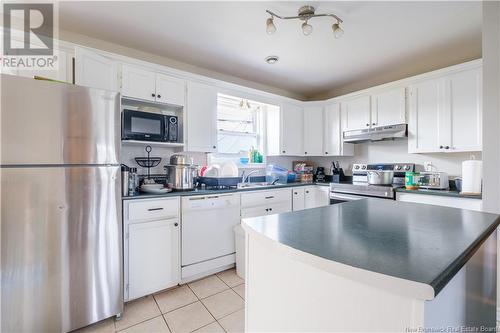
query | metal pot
(380,177)
(181,177)
(180,159)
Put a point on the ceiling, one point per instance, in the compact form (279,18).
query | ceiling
(383,41)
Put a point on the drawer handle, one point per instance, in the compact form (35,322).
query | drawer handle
(176,224)
(153,209)
(270,197)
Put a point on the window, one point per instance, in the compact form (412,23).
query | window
(238,124)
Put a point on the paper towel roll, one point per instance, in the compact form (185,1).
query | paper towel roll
(472,176)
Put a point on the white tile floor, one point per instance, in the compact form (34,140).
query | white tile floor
(213,304)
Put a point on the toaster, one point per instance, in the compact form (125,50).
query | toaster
(433,180)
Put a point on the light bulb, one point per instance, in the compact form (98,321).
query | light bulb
(337,30)
(270,27)
(307,29)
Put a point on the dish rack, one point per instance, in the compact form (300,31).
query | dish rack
(219,182)
(148,162)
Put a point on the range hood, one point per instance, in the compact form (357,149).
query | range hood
(380,133)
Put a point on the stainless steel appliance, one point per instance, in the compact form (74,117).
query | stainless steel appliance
(380,177)
(378,133)
(433,180)
(181,173)
(360,188)
(149,126)
(61,228)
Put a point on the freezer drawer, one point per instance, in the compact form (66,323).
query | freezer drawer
(59,123)
(61,247)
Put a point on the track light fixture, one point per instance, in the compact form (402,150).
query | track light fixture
(305,13)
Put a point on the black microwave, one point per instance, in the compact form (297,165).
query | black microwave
(147,126)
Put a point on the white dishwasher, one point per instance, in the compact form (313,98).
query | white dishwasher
(207,235)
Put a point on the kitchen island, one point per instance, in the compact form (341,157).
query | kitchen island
(371,265)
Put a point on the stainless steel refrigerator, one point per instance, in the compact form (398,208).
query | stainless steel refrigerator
(61,248)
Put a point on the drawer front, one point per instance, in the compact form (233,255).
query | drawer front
(155,209)
(263,198)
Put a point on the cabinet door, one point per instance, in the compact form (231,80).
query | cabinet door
(201,115)
(333,132)
(356,113)
(389,107)
(292,133)
(426,132)
(154,257)
(94,70)
(298,198)
(138,83)
(464,100)
(313,131)
(170,90)
(317,196)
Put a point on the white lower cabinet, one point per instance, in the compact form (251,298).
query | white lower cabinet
(316,196)
(313,196)
(151,246)
(261,203)
(455,202)
(154,261)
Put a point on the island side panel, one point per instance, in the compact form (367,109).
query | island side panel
(469,299)
(285,295)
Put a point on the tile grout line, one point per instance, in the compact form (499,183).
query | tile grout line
(199,300)
(141,322)
(162,316)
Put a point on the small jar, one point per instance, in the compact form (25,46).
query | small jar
(411,180)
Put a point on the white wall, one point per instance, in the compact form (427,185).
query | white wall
(387,152)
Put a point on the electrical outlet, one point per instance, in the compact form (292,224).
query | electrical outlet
(428,166)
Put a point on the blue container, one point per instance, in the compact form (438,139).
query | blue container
(244,160)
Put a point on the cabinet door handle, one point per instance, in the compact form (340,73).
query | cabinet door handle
(367,124)
(153,95)
(305,153)
(447,147)
(267,210)
(307,191)
(159,96)
(153,209)
(440,147)
(374,124)
(270,209)
(284,151)
(295,193)
(214,147)
(176,224)
(326,153)
(269,197)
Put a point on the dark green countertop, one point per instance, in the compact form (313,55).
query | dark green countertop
(213,192)
(421,243)
(445,193)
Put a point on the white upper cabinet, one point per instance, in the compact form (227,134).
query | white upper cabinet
(94,70)
(333,143)
(446,113)
(170,90)
(150,86)
(201,117)
(292,130)
(313,131)
(426,112)
(464,100)
(356,113)
(388,107)
(61,73)
(138,83)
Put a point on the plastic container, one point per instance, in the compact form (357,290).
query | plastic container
(276,173)
(239,239)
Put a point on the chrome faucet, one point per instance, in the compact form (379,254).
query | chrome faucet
(246,178)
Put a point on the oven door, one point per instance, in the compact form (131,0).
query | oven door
(336,198)
(144,126)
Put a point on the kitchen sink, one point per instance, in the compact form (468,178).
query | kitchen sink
(253,185)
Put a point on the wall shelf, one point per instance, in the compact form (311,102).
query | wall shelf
(152,143)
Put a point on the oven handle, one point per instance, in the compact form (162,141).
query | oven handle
(346,197)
